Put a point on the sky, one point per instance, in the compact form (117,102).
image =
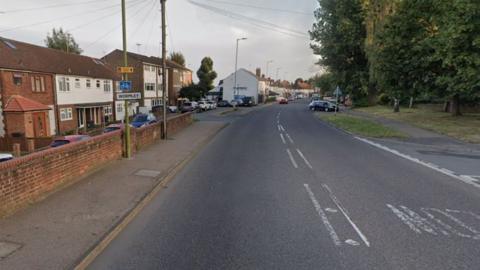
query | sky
(276,30)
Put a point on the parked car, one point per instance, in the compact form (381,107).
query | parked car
(212,104)
(322,105)
(187,107)
(195,105)
(68,139)
(113,127)
(173,109)
(5,157)
(248,101)
(203,105)
(142,119)
(236,102)
(224,103)
(283,101)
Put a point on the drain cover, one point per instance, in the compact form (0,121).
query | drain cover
(7,248)
(147,173)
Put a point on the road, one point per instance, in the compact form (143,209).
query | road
(279,189)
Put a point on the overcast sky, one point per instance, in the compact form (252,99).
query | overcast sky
(197,28)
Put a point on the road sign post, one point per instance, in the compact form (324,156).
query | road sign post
(129,96)
(125,86)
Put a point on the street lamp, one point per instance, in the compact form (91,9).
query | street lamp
(236,61)
(268,63)
(276,77)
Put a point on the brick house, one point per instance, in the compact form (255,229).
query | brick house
(147,79)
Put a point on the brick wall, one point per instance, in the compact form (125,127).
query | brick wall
(27,179)
(30,178)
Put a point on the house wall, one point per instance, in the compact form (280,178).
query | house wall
(82,94)
(9,88)
(245,80)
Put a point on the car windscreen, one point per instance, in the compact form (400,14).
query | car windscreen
(140,118)
(110,129)
(58,143)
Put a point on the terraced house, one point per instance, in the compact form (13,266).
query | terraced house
(46,92)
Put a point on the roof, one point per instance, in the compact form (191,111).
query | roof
(18,103)
(150,59)
(24,56)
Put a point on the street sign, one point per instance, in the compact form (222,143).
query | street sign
(124,70)
(337,91)
(125,85)
(129,96)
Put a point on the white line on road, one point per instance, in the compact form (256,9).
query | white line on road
(282,128)
(339,206)
(464,179)
(304,158)
(292,159)
(279,128)
(323,216)
(289,138)
(283,139)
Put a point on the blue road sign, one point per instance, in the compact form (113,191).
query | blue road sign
(125,85)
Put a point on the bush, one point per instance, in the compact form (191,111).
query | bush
(361,102)
(384,99)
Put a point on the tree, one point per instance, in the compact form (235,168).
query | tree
(206,75)
(326,82)
(192,92)
(63,41)
(177,57)
(404,63)
(338,37)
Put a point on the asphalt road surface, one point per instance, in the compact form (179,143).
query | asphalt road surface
(279,189)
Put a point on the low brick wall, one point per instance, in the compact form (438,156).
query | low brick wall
(27,179)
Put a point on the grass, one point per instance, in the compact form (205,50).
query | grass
(361,126)
(431,117)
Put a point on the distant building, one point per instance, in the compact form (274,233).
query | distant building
(248,85)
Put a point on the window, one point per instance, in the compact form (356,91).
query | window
(156,102)
(119,107)
(98,83)
(146,67)
(66,114)
(107,87)
(17,79)
(38,83)
(63,84)
(107,110)
(88,83)
(149,86)
(77,83)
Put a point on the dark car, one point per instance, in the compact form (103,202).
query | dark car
(5,157)
(187,107)
(248,101)
(142,119)
(68,139)
(322,105)
(283,101)
(223,103)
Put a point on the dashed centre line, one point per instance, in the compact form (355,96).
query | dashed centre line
(289,138)
(283,139)
(294,163)
(304,158)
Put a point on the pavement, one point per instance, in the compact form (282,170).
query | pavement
(280,189)
(58,231)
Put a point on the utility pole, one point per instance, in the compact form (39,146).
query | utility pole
(164,70)
(266,70)
(236,61)
(276,77)
(125,78)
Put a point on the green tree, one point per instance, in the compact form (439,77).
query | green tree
(326,82)
(177,57)
(457,46)
(338,37)
(192,92)
(63,41)
(206,75)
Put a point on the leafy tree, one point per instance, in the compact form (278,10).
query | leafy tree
(206,75)
(177,57)
(326,82)
(457,46)
(63,41)
(338,37)
(192,92)
(403,53)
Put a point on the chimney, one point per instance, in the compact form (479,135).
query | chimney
(258,72)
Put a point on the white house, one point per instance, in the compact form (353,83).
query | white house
(247,85)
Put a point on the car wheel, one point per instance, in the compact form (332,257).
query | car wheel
(326,109)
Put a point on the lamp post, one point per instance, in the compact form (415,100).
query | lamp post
(266,70)
(276,77)
(236,62)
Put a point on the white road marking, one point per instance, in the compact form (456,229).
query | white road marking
(279,129)
(331,210)
(352,242)
(283,139)
(458,222)
(303,157)
(289,138)
(468,180)
(405,218)
(419,221)
(464,212)
(345,213)
(443,224)
(323,216)
(292,159)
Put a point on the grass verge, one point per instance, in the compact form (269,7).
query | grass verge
(361,126)
(430,117)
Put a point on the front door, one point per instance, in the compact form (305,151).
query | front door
(40,124)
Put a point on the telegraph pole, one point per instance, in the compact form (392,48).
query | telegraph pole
(164,70)
(125,78)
